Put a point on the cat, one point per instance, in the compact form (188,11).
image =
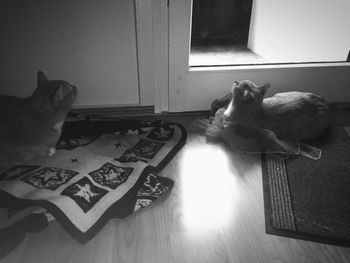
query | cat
(31,127)
(289,115)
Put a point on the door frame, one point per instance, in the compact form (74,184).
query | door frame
(152,49)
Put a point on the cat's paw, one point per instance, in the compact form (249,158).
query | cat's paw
(58,126)
(51,151)
(221,103)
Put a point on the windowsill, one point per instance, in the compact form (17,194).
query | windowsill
(218,58)
(224,56)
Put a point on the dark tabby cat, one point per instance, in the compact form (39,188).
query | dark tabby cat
(30,127)
(289,115)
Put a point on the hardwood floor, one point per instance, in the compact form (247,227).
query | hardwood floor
(213,214)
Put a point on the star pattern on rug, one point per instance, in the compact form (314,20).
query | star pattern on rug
(49,178)
(162,133)
(84,193)
(129,156)
(117,145)
(111,175)
(147,149)
(73,142)
(17,171)
(152,187)
(141,203)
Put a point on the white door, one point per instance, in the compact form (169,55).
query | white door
(92,44)
(193,89)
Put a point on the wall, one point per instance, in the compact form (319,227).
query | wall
(90,43)
(299,30)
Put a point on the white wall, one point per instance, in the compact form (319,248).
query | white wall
(90,43)
(300,30)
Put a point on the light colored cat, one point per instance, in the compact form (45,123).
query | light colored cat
(30,127)
(290,115)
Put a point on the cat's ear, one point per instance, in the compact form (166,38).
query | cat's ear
(42,79)
(263,89)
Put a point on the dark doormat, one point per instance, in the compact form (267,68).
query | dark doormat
(309,199)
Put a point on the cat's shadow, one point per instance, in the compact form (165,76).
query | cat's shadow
(11,237)
(323,139)
(238,160)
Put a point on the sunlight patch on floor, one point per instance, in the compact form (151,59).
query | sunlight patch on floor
(207,187)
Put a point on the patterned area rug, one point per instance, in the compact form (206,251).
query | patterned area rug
(310,199)
(103,168)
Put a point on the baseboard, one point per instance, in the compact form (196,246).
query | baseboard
(184,113)
(136,111)
(131,111)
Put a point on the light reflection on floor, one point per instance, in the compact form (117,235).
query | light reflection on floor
(207,186)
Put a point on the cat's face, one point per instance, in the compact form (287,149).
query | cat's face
(59,93)
(246,100)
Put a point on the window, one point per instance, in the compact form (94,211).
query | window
(246,32)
